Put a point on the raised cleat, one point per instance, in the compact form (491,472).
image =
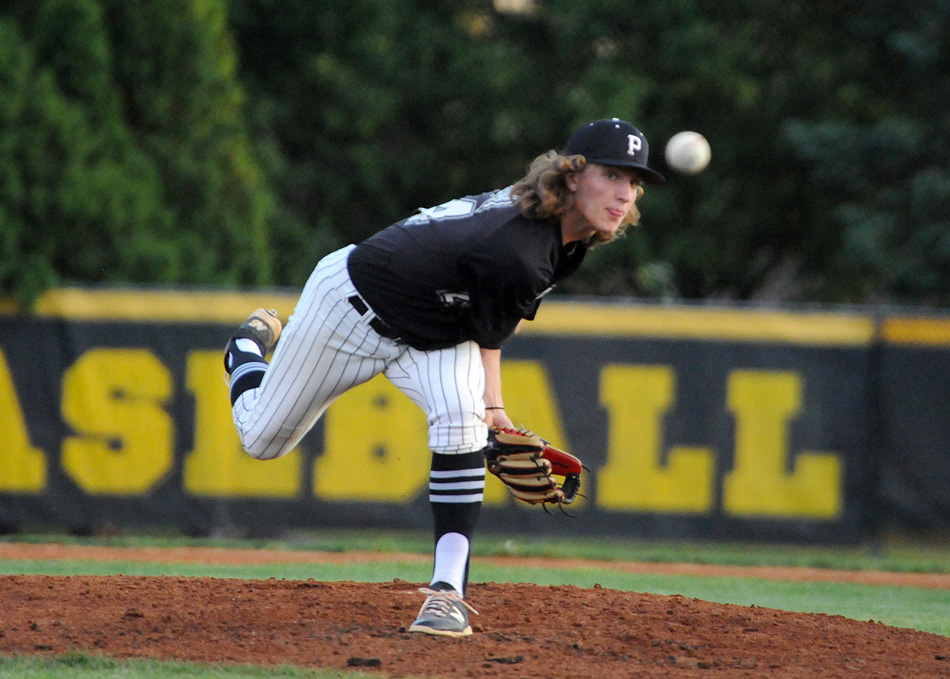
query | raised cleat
(444,613)
(263,327)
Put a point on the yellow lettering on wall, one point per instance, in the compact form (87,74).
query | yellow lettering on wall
(635,477)
(376,447)
(218,466)
(22,467)
(113,399)
(760,484)
(529,399)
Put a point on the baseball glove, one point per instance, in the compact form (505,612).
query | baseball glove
(527,464)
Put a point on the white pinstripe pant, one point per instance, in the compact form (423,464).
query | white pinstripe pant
(327,348)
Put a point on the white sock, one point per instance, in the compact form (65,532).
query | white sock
(248,346)
(451,556)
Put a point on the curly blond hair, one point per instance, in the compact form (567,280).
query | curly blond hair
(543,192)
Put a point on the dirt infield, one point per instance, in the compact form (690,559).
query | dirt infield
(525,631)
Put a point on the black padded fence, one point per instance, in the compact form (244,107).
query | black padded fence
(695,422)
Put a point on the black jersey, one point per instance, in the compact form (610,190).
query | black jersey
(469,269)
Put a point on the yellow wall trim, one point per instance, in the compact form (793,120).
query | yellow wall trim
(916,331)
(568,318)
(824,328)
(159,305)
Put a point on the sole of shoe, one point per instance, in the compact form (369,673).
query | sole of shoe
(422,629)
(260,324)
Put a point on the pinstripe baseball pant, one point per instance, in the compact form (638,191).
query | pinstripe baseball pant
(328,347)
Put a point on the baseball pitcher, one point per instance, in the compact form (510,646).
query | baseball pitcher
(428,302)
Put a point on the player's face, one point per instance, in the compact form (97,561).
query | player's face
(602,197)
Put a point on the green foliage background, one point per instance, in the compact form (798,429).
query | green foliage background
(234,143)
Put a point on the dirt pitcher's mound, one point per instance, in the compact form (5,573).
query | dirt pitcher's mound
(526,631)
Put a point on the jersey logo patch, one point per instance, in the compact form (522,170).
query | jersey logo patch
(454,209)
(454,299)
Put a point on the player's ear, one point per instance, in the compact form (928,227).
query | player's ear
(570,180)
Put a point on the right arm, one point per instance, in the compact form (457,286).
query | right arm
(495,415)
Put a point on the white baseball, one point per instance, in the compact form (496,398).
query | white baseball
(688,152)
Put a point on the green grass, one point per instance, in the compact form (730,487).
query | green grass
(893,554)
(359,572)
(85,666)
(910,607)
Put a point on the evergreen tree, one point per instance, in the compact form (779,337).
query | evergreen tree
(122,146)
(176,74)
(125,153)
(78,201)
(883,175)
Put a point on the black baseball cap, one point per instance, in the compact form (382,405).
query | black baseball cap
(612,141)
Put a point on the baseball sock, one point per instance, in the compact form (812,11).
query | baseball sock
(246,366)
(456,491)
(451,561)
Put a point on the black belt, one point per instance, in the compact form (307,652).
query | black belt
(377,323)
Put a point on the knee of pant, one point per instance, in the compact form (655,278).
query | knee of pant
(457,432)
(456,441)
(266,445)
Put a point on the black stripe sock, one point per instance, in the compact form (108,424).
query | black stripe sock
(455,509)
(246,369)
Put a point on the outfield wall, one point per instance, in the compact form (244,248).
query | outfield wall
(696,422)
